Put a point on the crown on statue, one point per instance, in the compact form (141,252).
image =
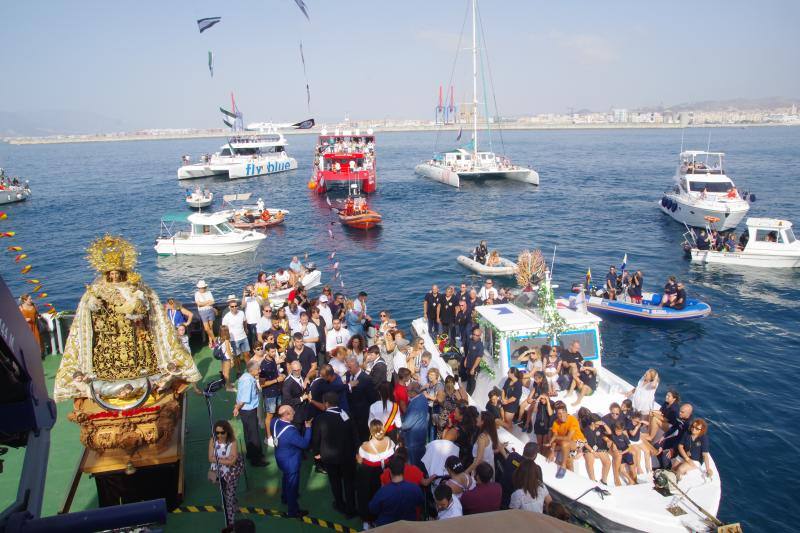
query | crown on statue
(111,252)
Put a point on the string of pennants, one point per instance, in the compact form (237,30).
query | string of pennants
(333,262)
(20,257)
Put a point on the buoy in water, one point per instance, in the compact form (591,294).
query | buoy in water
(312,184)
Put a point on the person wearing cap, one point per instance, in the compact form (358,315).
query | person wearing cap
(205,308)
(236,323)
(415,424)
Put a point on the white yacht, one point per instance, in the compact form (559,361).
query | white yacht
(470,163)
(509,331)
(767,243)
(258,150)
(703,195)
(207,234)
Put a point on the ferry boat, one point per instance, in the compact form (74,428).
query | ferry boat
(258,150)
(703,194)
(510,330)
(469,163)
(768,243)
(207,234)
(342,159)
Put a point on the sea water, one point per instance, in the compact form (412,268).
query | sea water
(597,201)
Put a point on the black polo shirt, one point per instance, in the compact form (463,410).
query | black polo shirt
(307,357)
(432,304)
(269,372)
(474,350)
(447,312)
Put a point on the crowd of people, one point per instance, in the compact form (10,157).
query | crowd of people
(395,434)
(725,241)
(619,286)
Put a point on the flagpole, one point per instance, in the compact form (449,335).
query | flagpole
(474,85)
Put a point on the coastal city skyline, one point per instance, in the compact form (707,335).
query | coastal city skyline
(546,59)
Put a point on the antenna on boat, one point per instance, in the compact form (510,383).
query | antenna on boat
(553,262)
(683,131)
(708,145)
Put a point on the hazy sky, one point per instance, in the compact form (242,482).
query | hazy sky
(144,62)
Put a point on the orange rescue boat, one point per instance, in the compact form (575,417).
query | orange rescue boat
(357,214)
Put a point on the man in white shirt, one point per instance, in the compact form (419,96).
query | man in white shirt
(360,307)
(400,359)
(338,336)
(293,313)
(235,321)
(325,311)
(309,331)
(282,278)
(252,312)
(488,291)
(447,506)
(264,322)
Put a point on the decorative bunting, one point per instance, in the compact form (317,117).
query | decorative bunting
(43,295)
(8,234)
(32,281)
(206,23)
(3,215)
(20,257)
(26,269)
(14,248)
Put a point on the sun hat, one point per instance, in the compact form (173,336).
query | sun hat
(232,298)
(202,284)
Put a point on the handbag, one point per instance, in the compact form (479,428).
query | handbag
(218,352)
(213,477)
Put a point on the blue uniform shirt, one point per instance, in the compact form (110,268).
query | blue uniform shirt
(247,392)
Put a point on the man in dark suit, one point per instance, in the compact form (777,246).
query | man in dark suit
(335,441)
(360,397)
(294,393)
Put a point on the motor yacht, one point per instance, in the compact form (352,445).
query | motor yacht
(207,234)
(703,195)
(766,243)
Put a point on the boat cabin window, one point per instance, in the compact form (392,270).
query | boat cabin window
(769,235)
(518,346)
(247,151)
(203,229)
(710,186)
(587,339)
(789,236)
(223,228)
(225,152)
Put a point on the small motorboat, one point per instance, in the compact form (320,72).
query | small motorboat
(199,198)
(255,218)
(506,267)
(357,214)
(207,234)
(648,309)
(311,278)
(767,243)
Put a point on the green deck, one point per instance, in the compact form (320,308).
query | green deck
(263,492)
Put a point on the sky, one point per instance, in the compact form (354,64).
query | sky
(145,63)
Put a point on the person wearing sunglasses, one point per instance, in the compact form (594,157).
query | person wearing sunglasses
(693,449)
(226,465)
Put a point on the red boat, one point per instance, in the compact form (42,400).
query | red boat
(342,160)
(357,214)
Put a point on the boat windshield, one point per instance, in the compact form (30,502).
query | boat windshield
(710,186)
(223,228)
(789,236)
(519,347)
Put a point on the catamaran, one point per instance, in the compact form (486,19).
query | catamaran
(470,163)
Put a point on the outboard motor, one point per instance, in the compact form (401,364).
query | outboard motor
(310,267)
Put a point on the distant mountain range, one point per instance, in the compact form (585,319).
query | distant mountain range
(742,104)
(56,122)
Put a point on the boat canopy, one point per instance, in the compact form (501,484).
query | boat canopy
(768,223)
(207,219)
(175,217)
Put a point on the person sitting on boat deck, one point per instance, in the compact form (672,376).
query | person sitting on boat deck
(611,283)
(693,449)
(494,259)
(729,242)
(624,466)
(670,288)
(571,361)
(480,253)
(282,278)
(488,290)
(640,446)
(596,446)
(702,241)
(566,437)
(613,416)
(337,167)
(743,238)
(585,383)
(678,301)
(667,446)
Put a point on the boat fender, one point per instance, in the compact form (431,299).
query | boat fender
(669,203)
(674,206)
(752,197)
(663,201)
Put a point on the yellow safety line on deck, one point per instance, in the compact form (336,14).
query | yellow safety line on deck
(265,512)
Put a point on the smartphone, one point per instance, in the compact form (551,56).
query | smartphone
(560,472)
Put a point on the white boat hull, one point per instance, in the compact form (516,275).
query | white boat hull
(506,268)
(9,196)
(628,508)
(197,204)
(179,245)
(236,168)
(752,259)
(694,215)
(454,178)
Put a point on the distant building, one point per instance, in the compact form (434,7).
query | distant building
(620,115)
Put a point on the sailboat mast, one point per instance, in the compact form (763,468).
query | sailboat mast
(474,84)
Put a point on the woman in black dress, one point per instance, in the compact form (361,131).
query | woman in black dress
(510,397)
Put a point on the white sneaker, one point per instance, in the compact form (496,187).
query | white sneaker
(270,442)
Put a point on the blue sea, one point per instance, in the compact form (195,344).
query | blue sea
(596,202)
